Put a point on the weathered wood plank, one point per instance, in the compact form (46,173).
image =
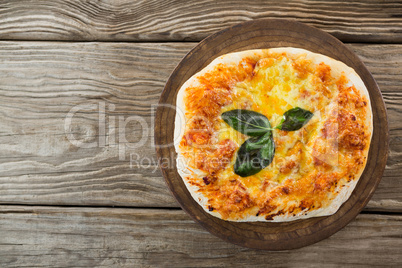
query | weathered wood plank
(75,237)
(126,20)
(42,82)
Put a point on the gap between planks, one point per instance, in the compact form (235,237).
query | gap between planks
(5,205)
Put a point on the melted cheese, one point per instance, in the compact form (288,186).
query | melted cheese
(310,165)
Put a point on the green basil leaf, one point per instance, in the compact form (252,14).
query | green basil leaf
(254,154)
(247,122)
(267,152)
(294,119)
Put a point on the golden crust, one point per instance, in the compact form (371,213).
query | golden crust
(315,169)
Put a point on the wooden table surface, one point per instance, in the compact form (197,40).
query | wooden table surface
(77,71)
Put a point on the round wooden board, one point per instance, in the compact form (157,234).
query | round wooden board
(258,34)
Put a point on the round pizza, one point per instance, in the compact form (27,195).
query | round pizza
(272,134)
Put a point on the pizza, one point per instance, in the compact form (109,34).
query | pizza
(274,135)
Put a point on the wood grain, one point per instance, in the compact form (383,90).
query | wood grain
(41,82)
(173,20)
(77,237)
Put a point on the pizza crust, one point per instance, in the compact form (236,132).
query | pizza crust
(185,170)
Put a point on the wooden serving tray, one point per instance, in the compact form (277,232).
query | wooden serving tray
(257,34)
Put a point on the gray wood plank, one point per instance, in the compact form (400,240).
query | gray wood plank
(77,237)
(126,20)
(42,81)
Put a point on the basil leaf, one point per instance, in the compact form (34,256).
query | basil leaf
(247,122)
(267,152)
(294,119)
(257,143)
(254,154)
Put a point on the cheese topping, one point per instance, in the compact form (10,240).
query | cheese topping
(310,166)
